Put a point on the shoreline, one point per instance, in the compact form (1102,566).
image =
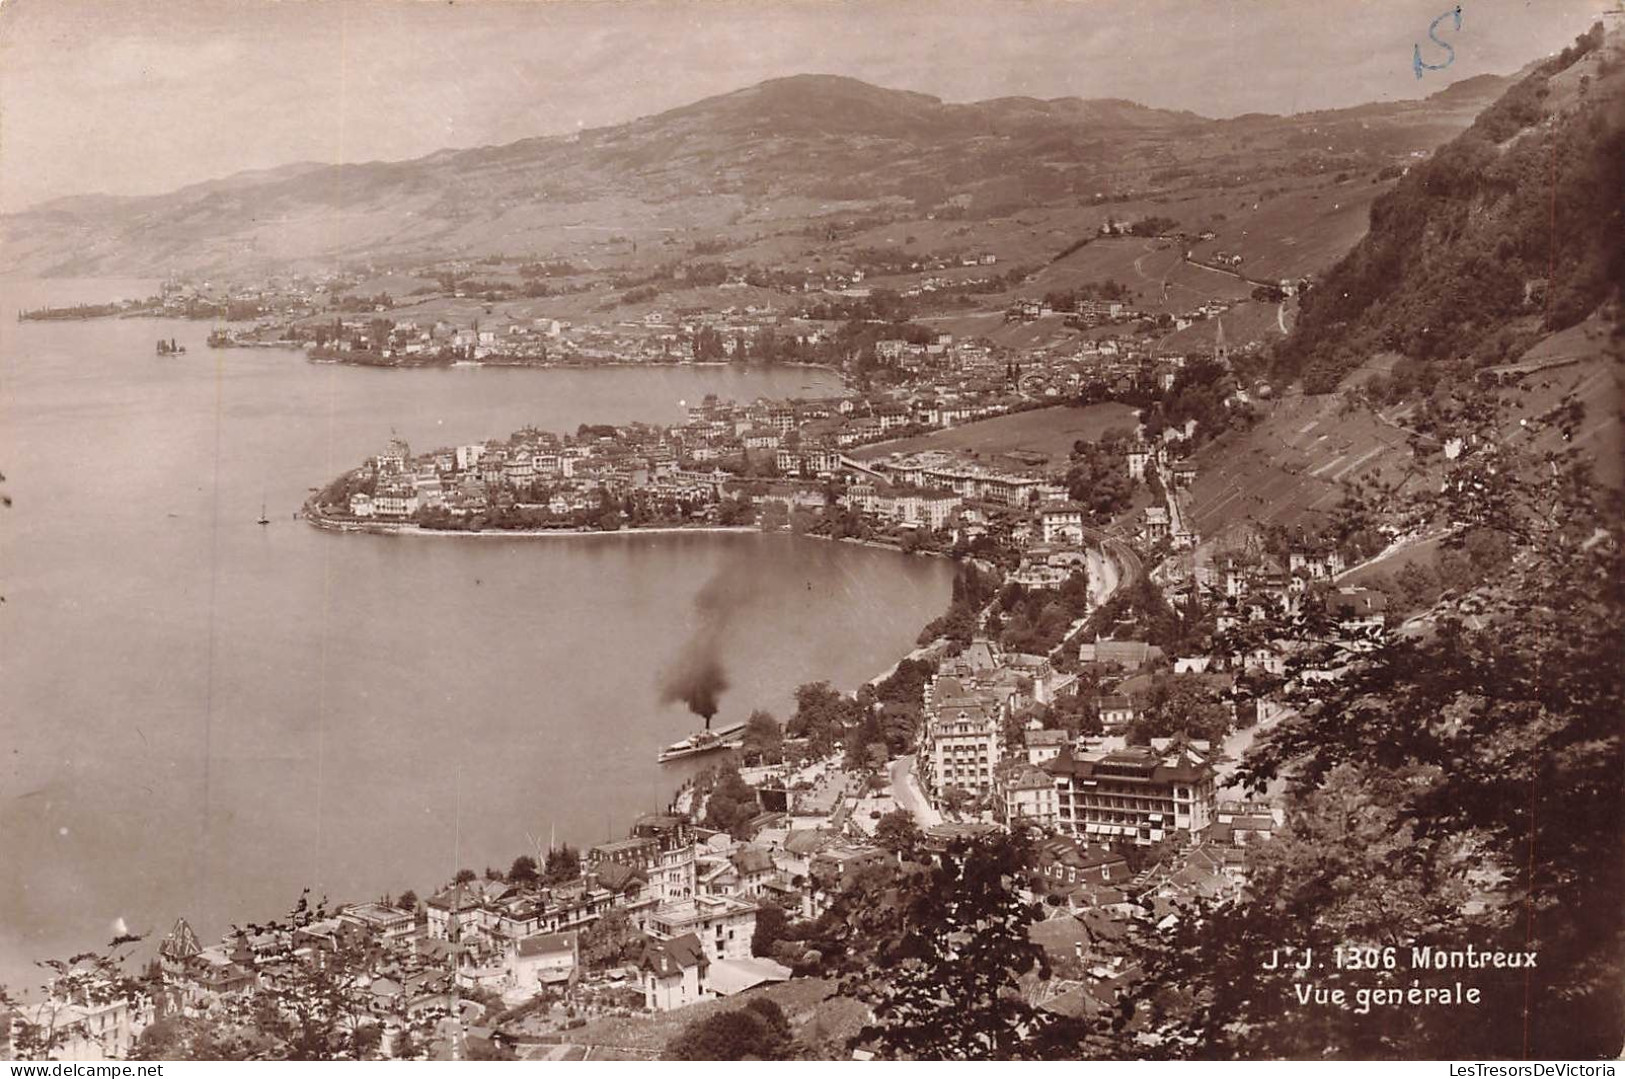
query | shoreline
(330,524)
(583,365)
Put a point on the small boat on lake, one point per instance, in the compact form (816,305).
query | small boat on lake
(705,741)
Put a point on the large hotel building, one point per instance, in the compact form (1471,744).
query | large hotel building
(1140,793)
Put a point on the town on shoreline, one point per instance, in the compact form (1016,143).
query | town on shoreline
(1059,696)
(1087,697)
(1276,459)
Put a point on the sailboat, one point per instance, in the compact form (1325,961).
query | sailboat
(264,520)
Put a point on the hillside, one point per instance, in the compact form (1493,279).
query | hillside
(1510,231)
(752,169)
(1496,260)
(1291,468)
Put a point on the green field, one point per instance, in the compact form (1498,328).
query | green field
(1046,431)
(1247,321)
(1305,228)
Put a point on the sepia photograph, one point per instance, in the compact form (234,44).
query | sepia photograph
(812,530)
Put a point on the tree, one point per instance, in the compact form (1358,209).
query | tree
(320,996)
(465,876)
(772,926)
(609,940)
(524,871)
(898,833)
(774,516)
(1180,704)
(822,715)
(764,739)
(1477,755)
(405,1045)
(38,1031)
(955,799)
(491,1048)
(731,804)
(1413,587)
(408,901)
(860,738)
(366,1040)
(758,1031)
(1098,479)
(188,1037)
(906,684)
(972,590)
(952,952)
(563,864)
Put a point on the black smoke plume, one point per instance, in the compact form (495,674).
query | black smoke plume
(697,680)
(699,676)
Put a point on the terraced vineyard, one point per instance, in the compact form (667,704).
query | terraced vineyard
(1291,467)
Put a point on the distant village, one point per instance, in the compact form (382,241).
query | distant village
(866,314)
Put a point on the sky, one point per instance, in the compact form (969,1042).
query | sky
(137,97)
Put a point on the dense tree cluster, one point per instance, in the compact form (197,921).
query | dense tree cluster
(1181,704)
(1140,611)
(1456,784)
(611,940)
(973,588)
(764,739)
(1076,713)
(1036,620)
(822,716)
(757,1031)
(940,952)
(1202,392)
(1467,243)
(1096,478)
(1421,582)
(901,697)
(731,803)
(1067,299)
(563,864)
(898,833)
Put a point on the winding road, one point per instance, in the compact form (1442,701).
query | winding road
(907,794)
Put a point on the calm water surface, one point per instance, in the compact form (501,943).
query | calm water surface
(202,716)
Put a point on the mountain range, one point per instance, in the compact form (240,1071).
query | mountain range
(765,158)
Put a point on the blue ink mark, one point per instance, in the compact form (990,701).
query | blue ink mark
(1416,59)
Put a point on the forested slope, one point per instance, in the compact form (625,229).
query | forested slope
(1510,231)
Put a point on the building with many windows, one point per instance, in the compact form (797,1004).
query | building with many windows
(660,848)
(1024,794)
(390,925)
(723,924)
(1061,522)
(961,741)
(1143,794)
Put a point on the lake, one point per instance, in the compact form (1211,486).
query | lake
(202,715)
